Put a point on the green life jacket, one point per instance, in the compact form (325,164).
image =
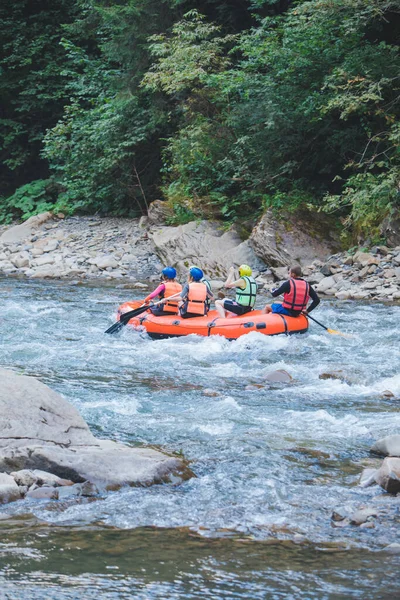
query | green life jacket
(247,297)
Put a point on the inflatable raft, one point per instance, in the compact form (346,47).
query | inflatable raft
(231,327)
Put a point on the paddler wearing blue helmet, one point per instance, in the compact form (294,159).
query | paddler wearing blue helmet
(246,292)
(168,287)
(195,296)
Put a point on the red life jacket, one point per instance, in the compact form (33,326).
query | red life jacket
(171,288)
(196,299)
(298,297)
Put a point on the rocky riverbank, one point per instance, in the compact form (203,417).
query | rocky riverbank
(45,445)
(131,252)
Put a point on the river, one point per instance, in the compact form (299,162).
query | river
(271,462)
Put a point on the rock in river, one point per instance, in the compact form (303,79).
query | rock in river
(387,446)
(41,430)
(388,476)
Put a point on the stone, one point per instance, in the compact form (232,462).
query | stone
(370,285)
(50,480)
(367,478)
(363,258)
(393,548)
(44,260)
(387,446)
(139,285)
(343,295)
(9,490)
(388,476)
(88,489)
(51,245)
(326,284)
(362,516)
(390,229)
(20,233)
(20,260)
(37,252)
(340,513)
(387,394)
(314,278)
(43,493)
(348,261)
(298,237)
(105,262)
(24,477)
(203,243)
(159,212)
(279,376)
(40,430)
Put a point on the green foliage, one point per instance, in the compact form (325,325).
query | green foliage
(226,110)
(28,200)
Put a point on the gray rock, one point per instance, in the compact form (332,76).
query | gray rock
(9,491)
(30,413)
(158,214)
(326,284)
(279,376)
(24,477)
(393,548)
(388,476)
(280,242)
(50,480)
(40,430)
(387,446)
(20,233)
(362,516)
(88,489)
(43,493)
(20,260)
(368,478)
(51,245)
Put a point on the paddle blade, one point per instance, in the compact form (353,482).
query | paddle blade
(334,332)
(125,318)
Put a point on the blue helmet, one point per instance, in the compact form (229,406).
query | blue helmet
(169,272)
(196,273)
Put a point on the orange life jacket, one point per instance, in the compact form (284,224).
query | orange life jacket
(196,299)
(171,288)
(298,297)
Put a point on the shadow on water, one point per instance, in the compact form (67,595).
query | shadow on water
(177,563)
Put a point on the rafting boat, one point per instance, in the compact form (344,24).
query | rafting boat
(212,324)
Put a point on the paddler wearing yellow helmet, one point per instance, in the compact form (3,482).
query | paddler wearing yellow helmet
(246,292)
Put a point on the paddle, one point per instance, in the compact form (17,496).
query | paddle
(126,317)
(332,331)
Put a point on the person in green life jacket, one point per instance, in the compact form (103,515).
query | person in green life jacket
(296,295)
(246,292)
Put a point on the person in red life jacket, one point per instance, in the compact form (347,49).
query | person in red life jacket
(296,295)
(195,296)
(168,287)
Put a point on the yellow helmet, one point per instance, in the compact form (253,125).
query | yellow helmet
(244,270)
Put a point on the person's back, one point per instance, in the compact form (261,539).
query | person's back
(195,296)
(168,287)
(246,292)
(296,295)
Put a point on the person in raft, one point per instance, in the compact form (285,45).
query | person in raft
(246,292)
(210,296)
(296,295)
(195,295)
(168,287)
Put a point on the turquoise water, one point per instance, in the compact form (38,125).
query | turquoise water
(271,462)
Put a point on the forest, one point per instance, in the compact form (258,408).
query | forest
(223,108)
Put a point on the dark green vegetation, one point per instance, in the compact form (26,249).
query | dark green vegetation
(221,107)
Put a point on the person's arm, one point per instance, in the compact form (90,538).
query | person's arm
(157,292)
(283,289)
(315,300)
(184,292)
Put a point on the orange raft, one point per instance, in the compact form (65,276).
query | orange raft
(231,328)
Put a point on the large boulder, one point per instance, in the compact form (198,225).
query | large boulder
(388,476)
(41,430)
(20,233)
(299,237)
(204,244)
(9,491)
(387,446)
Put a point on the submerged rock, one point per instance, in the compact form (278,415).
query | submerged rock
(279,376)
(388,476)
(387,446)
(43,439)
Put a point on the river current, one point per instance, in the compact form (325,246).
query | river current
(271,462)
